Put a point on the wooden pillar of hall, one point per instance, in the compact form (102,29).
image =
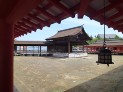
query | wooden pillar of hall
(23,49)
(83,48)
(33,50)
(26,51)
(6,56)
(40,51)
(68,46)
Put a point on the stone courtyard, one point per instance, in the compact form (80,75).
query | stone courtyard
(49,74)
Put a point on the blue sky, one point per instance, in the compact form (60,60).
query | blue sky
(91,27)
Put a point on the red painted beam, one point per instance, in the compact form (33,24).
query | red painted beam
(22,29)
(77,7)
(22,8)
(18,26)
(24,25)
(111,24)
(104,22)
(22,32)
(15,36)
(62,7)
(45,23)
(117,23)
(41,11)
(29,22)
(119,14)
(114,25)
(109,7)
(114,16)
(120,30)
(49,5)
(42,23)
(19,30)
(16,33)
(83,7)
(119,27)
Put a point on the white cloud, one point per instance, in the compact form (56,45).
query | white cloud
(85,21)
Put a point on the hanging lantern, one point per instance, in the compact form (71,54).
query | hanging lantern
(104,55)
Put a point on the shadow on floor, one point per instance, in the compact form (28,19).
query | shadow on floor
(110,82)
(15,89)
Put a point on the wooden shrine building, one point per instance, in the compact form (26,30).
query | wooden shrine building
(19,17)
(116,46)
(61,42)
(30,47)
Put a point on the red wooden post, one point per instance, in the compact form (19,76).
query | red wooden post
(6,56)
(91,49)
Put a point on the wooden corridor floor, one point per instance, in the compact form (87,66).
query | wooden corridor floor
(48,74)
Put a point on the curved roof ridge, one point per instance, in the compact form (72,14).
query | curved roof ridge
(68,32)
(69,28)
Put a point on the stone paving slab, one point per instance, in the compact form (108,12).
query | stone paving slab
(48,74)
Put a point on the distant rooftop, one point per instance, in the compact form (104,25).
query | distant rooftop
(108,43)
(107,35)
(30,43)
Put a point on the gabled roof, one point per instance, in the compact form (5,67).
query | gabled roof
(107,35)
(71,32)
(30,43)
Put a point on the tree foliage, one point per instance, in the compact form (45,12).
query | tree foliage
(92,41)
(117,37)
(96,38)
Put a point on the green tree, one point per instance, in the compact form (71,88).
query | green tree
(92,40)
(117,37)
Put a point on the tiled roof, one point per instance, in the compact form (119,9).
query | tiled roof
(107,35)
(69,33)
(30,43)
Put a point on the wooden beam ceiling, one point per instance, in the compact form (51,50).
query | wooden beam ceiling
(83,7)
(40,13)
(61,7)
(108,8)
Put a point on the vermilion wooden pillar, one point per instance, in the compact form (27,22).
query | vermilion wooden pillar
(6,56)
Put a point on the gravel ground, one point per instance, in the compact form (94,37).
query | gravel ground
(48,74)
